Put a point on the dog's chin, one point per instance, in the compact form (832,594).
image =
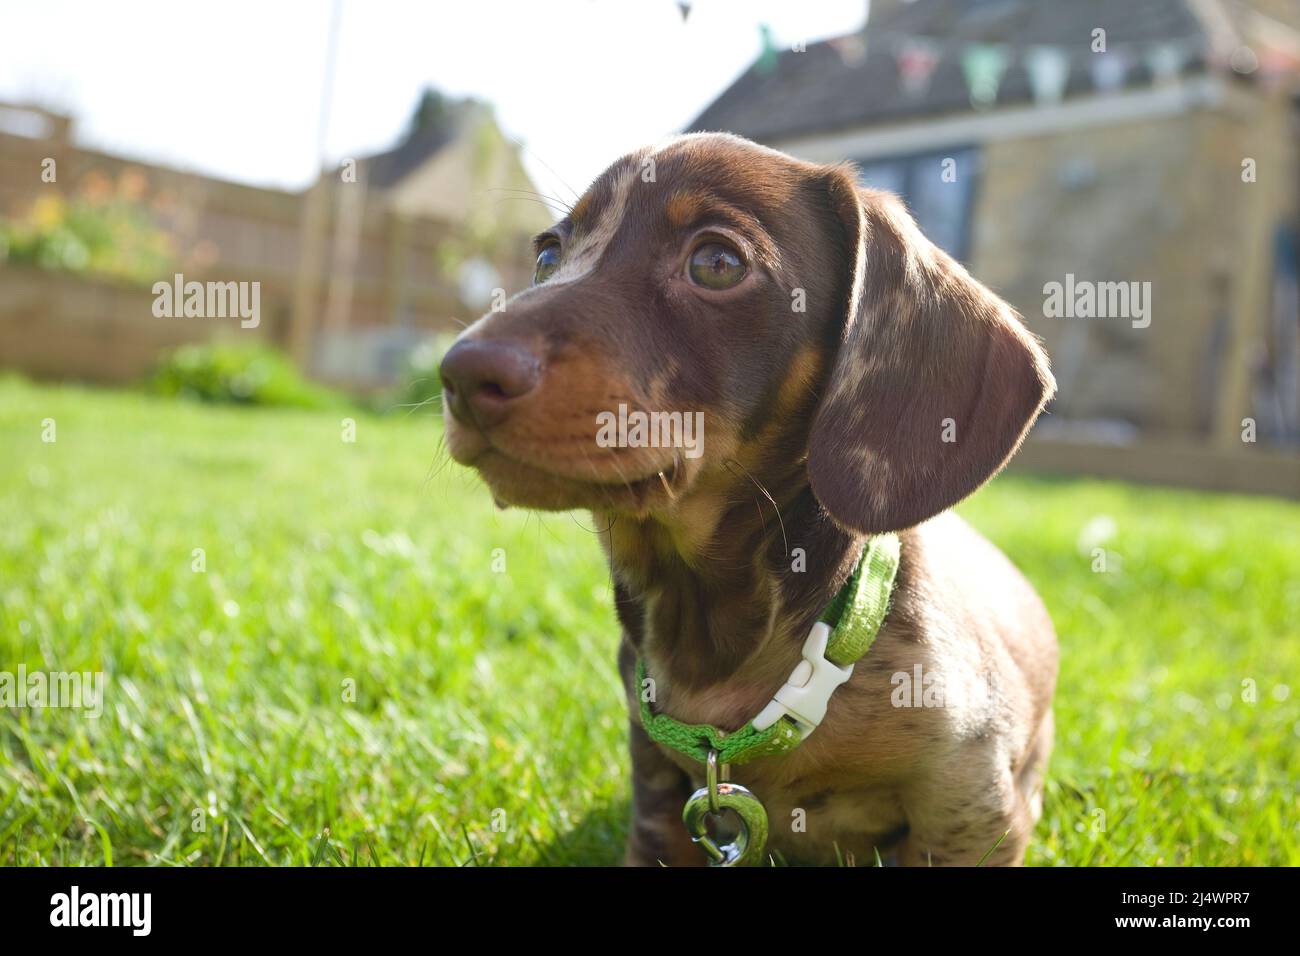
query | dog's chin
(517,484)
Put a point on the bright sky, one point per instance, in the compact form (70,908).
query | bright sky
(234,88)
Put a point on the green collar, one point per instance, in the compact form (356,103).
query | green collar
(844,634)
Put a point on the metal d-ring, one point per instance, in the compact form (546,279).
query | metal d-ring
(711,781)
(711,800)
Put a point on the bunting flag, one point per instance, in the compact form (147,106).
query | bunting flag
(917,58)
(1049,72)
(851,49)
(1109,69)
(983,65)
(1049,67)
(1166,61)
(768,56)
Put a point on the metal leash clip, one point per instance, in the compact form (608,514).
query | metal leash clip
(710,801)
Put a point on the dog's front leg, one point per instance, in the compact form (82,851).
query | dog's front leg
(659,790)
(968,814)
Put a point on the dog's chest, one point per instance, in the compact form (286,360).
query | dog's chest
(816,825)
(834,793)
(813,827)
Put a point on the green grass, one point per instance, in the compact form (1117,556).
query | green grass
(487,725)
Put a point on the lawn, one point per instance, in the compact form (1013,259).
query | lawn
(346,673)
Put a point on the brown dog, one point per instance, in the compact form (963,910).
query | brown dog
(853,379)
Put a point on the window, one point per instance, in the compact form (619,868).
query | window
(941,203)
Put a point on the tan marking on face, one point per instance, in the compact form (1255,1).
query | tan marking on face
(798,384)
(683,207)
(694,525)
(581,208)
(664,374)
(588,246)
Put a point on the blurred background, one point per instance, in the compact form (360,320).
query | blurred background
(380,168)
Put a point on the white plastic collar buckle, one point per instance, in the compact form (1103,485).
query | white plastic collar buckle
(808,691)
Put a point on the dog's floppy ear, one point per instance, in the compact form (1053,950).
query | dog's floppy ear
(935,383)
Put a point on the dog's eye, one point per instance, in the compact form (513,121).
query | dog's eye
(715,265)
(548,260)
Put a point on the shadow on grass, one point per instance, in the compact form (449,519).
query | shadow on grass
(596,840)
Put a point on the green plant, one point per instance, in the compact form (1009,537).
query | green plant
(113,237)
(239,375)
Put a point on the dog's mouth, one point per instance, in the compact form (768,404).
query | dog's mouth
(560,475)
(518,483)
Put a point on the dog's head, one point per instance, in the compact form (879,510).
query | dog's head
(804,320)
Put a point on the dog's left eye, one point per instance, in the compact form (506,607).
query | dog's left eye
(716,265)
(548,260)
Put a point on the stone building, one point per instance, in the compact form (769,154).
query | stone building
(1160,154)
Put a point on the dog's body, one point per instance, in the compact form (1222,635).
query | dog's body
(931,752)
(853,380)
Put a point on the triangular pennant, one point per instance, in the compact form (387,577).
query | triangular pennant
(1166,60)
(1109,70)
(983,65)
(851,49)
(917,58)
(1049,72)
(769,55)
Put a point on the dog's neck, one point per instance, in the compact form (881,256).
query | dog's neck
(704,591)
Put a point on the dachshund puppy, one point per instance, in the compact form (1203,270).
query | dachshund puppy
(851,380)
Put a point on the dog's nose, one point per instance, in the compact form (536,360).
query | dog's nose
(483,379)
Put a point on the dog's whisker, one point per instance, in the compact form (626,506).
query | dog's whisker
(766,494)
(613,458)
(441,459)
(552,202)
(413,407)
(520,143)
(545,204)
(587,458)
